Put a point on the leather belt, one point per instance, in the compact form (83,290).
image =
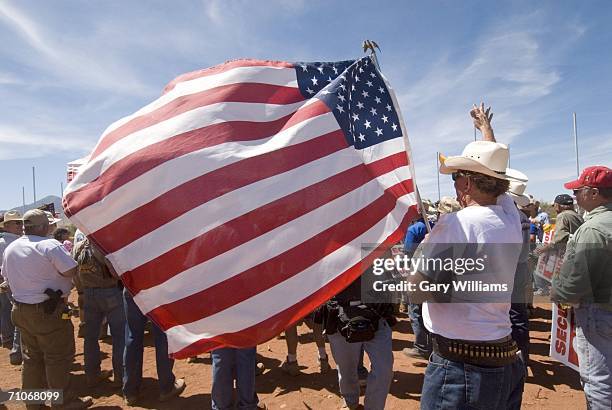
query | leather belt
(484,354)
(40,305)
(33,305)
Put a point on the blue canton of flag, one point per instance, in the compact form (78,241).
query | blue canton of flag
(357,95)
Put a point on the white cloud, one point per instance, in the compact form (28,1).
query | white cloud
(16,143)
(512,67)
(214,10)
(9,79)
(69,62)
(242,12)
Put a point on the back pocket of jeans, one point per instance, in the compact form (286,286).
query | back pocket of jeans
(484,387)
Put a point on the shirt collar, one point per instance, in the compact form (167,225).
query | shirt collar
(600,209)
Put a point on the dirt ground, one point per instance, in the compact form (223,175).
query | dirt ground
(550,385)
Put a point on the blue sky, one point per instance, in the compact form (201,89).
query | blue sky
(70,68)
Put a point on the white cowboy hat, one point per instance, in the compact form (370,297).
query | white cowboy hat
(516,175)
(11,216)
(518,184)
(485,157)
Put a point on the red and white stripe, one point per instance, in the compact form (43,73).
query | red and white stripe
(232,206)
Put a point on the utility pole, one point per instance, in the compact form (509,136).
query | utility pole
(34,182)
(576,144)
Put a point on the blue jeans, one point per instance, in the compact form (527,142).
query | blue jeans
(15,356)
(380,352)
(99,304)
(461,386)
(134,348)
(422,340)
(7,328)
(228,364)
(594,348)
(540,283)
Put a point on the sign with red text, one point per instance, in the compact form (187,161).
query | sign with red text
(563,336)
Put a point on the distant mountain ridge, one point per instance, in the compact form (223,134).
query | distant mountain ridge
(56,200)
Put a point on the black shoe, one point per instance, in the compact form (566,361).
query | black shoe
(15,359)
(177,389)
(103,376)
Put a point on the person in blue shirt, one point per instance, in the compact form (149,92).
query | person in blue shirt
(536,232)
(536,235)
(422,344)
(414,235)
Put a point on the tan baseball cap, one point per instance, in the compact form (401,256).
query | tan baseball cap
(35,217)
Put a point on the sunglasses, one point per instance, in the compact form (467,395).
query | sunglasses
(14,222)
(456,175)
(576,191)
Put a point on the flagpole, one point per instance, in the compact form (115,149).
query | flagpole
(23,198)
(438,172)
(372,46)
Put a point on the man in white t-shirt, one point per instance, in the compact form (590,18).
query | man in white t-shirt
(474,363)
(39,272)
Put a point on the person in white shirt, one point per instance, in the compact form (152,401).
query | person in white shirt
(39,273)
(12,225)
(474,363)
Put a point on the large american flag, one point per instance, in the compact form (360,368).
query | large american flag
(238,201)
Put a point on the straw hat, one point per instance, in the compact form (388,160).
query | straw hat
(428,206)
(11,216)
(448,205)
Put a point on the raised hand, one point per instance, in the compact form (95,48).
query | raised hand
(482,121)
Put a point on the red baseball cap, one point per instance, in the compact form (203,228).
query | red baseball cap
(598,176)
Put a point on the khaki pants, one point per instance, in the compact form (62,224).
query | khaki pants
(48,347)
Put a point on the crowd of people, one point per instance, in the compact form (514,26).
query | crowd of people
(477,353)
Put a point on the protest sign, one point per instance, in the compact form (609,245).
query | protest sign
(563,336)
